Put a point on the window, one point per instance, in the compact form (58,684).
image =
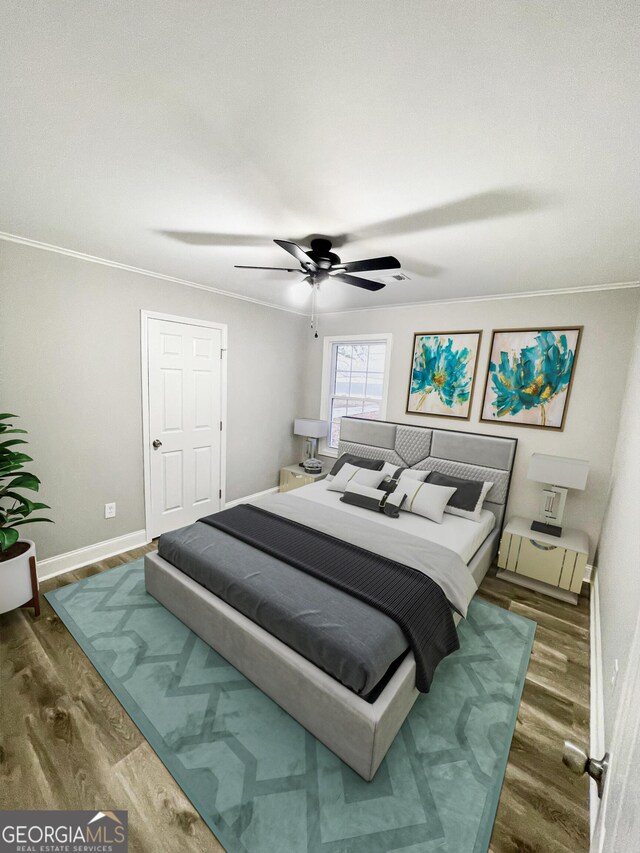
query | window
(355,381)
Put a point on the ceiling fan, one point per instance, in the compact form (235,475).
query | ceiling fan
(319,263)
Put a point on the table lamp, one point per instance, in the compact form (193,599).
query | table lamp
(312,430)
(561,473)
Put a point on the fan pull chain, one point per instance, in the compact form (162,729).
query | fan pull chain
(314,315)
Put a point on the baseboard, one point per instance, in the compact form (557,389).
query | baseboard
(596,710)
(53,566)
(243,500)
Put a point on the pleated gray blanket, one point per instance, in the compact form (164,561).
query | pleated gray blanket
(412,599)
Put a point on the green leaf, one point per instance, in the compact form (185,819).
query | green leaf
(6,415)
(24,481)
(35,506)
(18,512)
(31,521)
(18,458)
(7,464)
(11,442)
(8,537)
(4,429)
(16,496)
(25,508)
(9,471)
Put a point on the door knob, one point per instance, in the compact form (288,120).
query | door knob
(577,760)
(157,443)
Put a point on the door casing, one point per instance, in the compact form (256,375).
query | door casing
(145,316)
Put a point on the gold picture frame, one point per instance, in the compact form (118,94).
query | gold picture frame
(443,371)
(530,375)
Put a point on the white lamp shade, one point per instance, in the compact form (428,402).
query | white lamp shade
(558,471)
(310,428)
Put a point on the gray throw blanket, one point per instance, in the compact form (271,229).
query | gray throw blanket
(441,564)
(412,599)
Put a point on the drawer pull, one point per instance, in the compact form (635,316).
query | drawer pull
(542,546)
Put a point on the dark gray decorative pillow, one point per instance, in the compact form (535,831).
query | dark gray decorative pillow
(358,461)
(468,497)
(364,501)
(366,497)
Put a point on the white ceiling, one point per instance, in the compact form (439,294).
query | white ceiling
(123,121)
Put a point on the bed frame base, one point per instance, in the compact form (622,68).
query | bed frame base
(358,732)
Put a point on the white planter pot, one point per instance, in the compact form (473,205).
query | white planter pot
(15,580)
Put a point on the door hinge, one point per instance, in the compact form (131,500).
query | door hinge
(220,426)
(220,493)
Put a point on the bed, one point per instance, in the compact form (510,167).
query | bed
(291,642)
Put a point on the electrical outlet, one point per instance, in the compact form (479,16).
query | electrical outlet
(110,510)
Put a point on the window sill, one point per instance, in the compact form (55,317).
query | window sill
(329,451)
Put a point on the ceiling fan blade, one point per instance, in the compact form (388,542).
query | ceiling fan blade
(388,263)
(284,269)
(364,283)
(298,253)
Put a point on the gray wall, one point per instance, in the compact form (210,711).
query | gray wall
(618,555)
(592,421)
(70,367)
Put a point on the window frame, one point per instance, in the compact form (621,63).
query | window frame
(330,344)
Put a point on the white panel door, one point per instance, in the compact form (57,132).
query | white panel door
(185,394)
(617,827)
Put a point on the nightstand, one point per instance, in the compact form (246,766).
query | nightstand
(551,564)
(293,476)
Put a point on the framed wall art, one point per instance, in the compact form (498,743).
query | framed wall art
(443,369)
(529,376)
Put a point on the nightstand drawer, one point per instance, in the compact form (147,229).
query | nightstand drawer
(554,565)
(293,476)
(292,480)
(540,561)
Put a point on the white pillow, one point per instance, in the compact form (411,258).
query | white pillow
(389,469)
(351,473)
(412,474)
(474,514)
(426,499)
(356,488)
(396,497)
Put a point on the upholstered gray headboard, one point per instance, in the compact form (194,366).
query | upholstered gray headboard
(461,454)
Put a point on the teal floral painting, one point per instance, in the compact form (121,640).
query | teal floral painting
(443,373)
(529,376)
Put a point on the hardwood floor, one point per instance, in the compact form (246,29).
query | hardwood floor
(65,741)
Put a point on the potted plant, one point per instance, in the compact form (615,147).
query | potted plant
(18,579)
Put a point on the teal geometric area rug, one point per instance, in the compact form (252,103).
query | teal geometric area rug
(261,782)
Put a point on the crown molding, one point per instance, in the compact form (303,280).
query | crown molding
(48,247)
(530,294)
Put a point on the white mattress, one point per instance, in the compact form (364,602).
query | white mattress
(458,534)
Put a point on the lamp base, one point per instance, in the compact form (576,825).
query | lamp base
(549,529)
